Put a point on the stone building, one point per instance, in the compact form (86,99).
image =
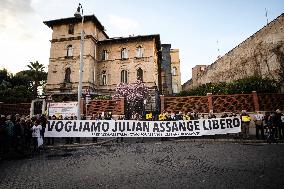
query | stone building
(107,61)
(170,70)
(261,54)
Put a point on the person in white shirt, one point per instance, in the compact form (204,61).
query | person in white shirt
(258,120)
(37,138)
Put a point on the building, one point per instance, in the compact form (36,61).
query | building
(170,70)
(107,61)
(261,54)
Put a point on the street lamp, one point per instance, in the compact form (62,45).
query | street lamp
(79,14)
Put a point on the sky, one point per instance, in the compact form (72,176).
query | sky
(198,28)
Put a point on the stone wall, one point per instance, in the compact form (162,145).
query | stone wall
(261,54)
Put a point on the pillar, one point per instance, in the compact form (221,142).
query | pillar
(210,101)
(255,101)
(162,100)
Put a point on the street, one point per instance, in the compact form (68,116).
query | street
(153,164)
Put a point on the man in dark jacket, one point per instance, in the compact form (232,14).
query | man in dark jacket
(279,124)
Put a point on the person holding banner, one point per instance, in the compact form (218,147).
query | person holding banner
(245,124)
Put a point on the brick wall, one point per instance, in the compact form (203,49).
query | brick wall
(99,106)
(12,109)
(224,103)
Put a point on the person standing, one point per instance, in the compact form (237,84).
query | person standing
(37,139)
(211,115)
(258,120)
(279,124)
(10,131)
(245,124)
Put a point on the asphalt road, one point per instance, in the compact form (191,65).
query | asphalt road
(150,165)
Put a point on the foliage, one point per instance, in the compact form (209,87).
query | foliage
(38,75)
(132,92)
(241,86)
(22,86)
(134,95)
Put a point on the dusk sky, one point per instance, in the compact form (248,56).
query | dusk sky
(192,26)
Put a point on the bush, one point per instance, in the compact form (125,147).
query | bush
(241,86)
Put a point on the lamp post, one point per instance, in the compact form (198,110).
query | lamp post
(79,14)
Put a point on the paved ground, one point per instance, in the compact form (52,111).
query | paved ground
(150,165)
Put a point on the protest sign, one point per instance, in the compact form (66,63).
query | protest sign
(66,109)
(130,128)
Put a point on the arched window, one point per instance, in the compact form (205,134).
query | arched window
(123,76)
(104,78)
(124,53)
(174,71)
(140,74)
(67,75)
(139,52)
(69,51)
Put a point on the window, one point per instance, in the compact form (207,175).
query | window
(71,29)
(124,53)
(69,51)
(175,88)
(139,52)
(104,78)
(174,71)
(140,74)
(67,75)
(105,55)
(123,77)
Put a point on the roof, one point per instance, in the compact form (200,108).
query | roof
(69,20)
(126,39)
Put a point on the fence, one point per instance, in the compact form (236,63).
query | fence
(202,104)
(224,103)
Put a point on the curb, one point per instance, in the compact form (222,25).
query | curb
(223,140)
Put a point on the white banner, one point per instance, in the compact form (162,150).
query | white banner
(130,128)
(66,109)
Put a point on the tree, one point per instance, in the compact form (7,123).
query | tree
(134,95)
(38,75)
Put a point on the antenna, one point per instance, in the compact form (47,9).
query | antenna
(266,13)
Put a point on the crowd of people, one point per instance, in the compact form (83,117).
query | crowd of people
(21,132)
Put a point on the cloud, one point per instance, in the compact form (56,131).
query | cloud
(13,15)
(122,23)
(16,6)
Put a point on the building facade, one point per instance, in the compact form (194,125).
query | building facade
(170,70)
(107,61)
(261,54)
